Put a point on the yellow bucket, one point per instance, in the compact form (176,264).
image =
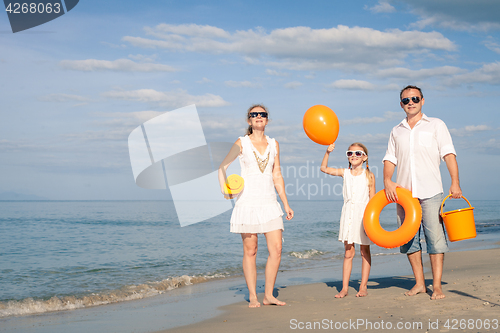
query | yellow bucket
(459,223)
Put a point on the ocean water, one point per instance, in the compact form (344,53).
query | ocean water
(59,255)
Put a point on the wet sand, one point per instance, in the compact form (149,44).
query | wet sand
(471,283)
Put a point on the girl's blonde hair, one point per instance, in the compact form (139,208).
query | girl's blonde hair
(359,144)
(250,129)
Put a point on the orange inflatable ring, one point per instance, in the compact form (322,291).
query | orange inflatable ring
(400,236)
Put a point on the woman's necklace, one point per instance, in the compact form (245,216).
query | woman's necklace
(261,162)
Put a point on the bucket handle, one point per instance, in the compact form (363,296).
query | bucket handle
(449,195)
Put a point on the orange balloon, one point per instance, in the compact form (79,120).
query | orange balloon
(321,124)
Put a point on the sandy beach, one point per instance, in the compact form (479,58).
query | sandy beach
(471,282)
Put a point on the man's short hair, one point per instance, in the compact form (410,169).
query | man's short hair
(411,87)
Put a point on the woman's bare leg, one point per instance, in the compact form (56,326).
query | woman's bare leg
(250,245)
(273,239)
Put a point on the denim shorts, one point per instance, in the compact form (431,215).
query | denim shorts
(431,227)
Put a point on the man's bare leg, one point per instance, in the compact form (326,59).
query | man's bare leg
(437,262)
(415,259)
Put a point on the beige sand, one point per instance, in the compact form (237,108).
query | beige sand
(471,283)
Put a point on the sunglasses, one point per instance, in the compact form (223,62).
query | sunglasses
(255,114)
(414,99)
(357,153)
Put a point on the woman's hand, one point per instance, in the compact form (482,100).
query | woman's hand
(289,213)
(330,148)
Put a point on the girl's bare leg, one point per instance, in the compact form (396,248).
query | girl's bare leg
(365,270)
(250,244)
(347,268)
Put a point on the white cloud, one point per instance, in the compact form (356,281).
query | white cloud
(381,7)
(276,73)
(143,58)
(120,65)
(167,99)
(299,48)
(242,84)
(205,80)
(461,15)
(469,130)
(488,73)
(293,85)
(18,145)
(360,85)
(492,45)
(420,74)
(193,30)
(62,98)
(120,118)
(388,116)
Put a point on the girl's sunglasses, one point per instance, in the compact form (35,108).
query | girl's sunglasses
(414,99)
(357,153)
(255,114)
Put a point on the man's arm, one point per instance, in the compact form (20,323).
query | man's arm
(452,165)
(389,185)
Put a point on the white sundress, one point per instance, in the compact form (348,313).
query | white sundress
(257,209)
(356,197)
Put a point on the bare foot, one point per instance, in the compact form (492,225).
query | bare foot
(362,293)
(272,301)
(416,290)
(254,303)
(437,293)
(341,294)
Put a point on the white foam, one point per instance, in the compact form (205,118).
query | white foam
(306,254)
(30,306)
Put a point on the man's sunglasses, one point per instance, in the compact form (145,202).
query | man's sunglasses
(357,153)
(414,99)
(255,114)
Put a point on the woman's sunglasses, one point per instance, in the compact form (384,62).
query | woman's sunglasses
(357,153)
(255,114)
(414,99)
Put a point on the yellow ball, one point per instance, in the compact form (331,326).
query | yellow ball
(234,184)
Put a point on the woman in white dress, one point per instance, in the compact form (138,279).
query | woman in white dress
(257,210)
(358,189)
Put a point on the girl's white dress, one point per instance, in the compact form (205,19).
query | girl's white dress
(356,197)
(257,209)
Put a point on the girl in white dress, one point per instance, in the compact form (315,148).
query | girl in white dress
(358,189)
(257,210)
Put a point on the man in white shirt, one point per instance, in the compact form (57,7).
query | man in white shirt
(416,146)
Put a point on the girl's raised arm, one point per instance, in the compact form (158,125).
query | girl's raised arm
(324,164)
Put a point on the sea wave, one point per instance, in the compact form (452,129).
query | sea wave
(306,254)
(30,306)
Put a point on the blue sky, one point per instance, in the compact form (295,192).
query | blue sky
(74,88)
